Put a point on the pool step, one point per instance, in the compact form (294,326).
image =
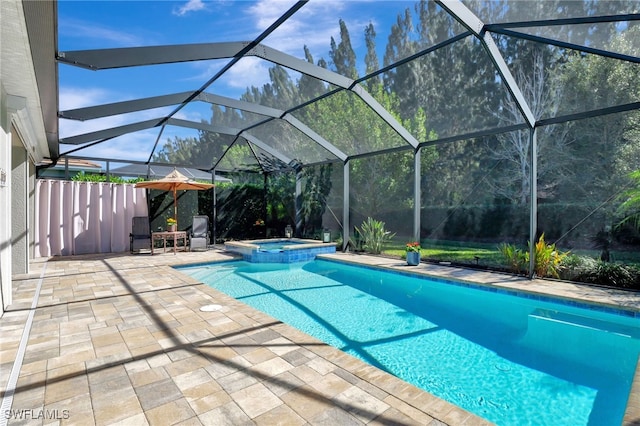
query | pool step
(571,320)
(580,340)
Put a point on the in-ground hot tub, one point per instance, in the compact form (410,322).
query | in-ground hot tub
(279,250)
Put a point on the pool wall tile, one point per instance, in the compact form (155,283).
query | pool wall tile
(500,290)
(301,251)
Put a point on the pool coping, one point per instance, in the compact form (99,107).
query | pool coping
(299,243)
(299,250)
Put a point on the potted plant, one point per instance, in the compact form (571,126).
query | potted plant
(172,224)
(413,253)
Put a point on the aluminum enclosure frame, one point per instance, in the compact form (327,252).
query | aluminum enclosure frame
(129,57)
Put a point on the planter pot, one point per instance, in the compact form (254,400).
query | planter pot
(413,258)
(172,228)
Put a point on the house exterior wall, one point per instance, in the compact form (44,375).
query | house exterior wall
(19,207)
(17,192)
(5,201)
(23,136)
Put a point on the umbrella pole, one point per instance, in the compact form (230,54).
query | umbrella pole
(175,205)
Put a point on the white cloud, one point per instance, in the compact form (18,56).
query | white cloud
(190,6)
(194,116)
(76,97)
(312,25)
(249,71)
(92,30)
(306,27)
(72,98)
(265,12)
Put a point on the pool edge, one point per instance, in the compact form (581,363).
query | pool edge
(632,411)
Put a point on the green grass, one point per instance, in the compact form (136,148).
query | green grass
(485,254)
(482,254)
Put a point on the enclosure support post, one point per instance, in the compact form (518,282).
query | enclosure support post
(345,207)
(533,199)
(298,198)
(417,201)
(265,188)
(214,206)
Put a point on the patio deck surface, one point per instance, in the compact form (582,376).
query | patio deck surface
(120,339)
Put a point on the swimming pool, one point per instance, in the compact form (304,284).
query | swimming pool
(512,360)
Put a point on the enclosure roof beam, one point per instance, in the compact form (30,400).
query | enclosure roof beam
(316,137)
(266,148)
(138,56)
(134,127)
(467,18)
(385,116)
(227,131)
(590,114)
(124,57)
(124,107)
(567,45)
(336,79)
(115,108)
(603,19)
(109,133)
(146,163)
(300,65)
(238,132)
(240,105)
(198,125)
(143,125)
(477,135)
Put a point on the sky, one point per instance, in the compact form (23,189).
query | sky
(86,25)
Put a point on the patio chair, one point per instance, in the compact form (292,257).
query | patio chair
(140,236)
(199,236)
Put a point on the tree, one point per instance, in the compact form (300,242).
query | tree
(371,58)
(314,197)
(310,87)
(607,148)
(512,150)
(629,209)
(342,55)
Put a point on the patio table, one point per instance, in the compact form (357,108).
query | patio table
(166,235)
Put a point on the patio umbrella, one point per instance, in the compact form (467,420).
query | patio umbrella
(174,181)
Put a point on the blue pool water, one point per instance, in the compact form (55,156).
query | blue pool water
(512,360)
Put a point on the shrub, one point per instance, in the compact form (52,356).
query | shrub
(374,235)
(515,258)
(612,274)
(94,177)
(573,266)
(548,258)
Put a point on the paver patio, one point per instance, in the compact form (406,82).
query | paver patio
(121,339)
